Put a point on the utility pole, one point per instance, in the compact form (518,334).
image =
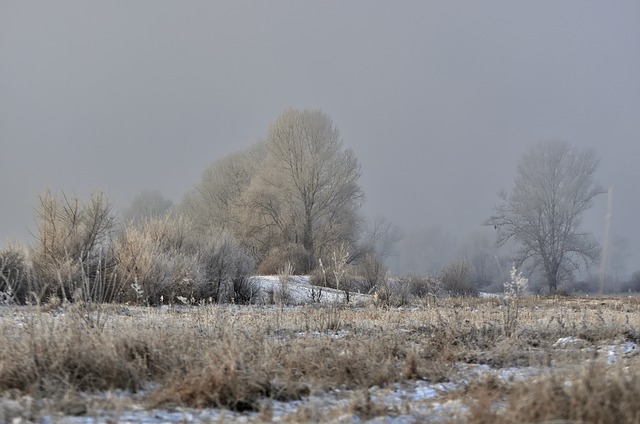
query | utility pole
(605,241)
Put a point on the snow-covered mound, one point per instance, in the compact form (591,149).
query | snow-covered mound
(298,290)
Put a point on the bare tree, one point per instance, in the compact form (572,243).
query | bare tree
(554,186)
(378,243)
(382,236)
(481,254)
(308,191)
(146,204)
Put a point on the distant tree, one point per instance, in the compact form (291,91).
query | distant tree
(379,240)
(146,204)
(307,193)
(482,256)
(217,202)
(633,285)
(381,237)
(426,252)
(618,257)
(554,187)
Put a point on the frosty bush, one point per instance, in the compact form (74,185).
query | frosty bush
(456,279)
(156,260)
(15,274)
(517,286)
(510,303)
(281,293)
(71,242)
(225,267)
(372,272)
(405,290)
(341,271)
(164,260)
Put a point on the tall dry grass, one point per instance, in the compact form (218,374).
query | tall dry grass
(237,357)
(587,393)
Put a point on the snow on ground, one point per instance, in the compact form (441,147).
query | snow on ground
(298,290)
(626,349)
(408,402)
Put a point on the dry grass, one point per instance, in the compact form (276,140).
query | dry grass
(589,393)
(237,357)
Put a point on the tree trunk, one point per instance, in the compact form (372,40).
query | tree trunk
(307,236)
(552,280)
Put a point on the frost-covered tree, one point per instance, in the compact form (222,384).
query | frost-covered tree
(554,187)
(308,192)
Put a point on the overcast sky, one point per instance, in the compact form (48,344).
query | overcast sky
(437,98)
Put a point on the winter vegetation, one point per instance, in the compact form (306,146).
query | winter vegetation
(554,187)
(265,293)
(444,359)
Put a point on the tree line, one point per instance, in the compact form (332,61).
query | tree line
(294,200)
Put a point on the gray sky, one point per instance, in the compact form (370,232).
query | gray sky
(437,98)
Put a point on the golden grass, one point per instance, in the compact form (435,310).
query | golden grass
(238,357)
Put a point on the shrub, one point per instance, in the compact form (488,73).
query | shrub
(15,274)
(225,267)
(320,277)
(336,273)
(422,286)
(162,260)
(455,279)
(155,262)
(71,242)
(402,291)
(292,253)
(372,272)
(245,291)
(633,285)
(513,290)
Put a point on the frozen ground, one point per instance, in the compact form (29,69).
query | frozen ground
(404,403)
(407,402)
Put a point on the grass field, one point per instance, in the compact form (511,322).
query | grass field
(552,359)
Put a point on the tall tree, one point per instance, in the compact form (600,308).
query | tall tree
(554,187)
(308,192)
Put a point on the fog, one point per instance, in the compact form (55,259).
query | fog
(438,99)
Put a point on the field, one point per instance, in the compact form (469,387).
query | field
(476,360)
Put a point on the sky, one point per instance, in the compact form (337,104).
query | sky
(438,99)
